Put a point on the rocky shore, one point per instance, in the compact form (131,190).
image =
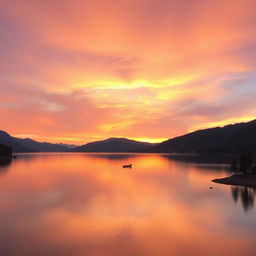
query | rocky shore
(246,180)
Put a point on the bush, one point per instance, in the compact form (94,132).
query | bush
(5,150)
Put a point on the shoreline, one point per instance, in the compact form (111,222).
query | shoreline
(248,180)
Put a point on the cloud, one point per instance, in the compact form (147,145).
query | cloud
(125,68)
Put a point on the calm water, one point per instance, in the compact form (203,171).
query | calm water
(87,204)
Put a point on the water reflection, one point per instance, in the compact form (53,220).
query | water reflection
(87,204)
(4,163)
(201,158)
(245,194)
(112,156)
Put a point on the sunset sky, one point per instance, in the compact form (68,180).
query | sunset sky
(75,71)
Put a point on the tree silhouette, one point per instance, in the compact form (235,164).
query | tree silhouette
(244,165)
(234,166)
(5,150)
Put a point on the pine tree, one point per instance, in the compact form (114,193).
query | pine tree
(234,166)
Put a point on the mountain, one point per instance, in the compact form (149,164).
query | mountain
(228,139)
(69,146)
(16,146)
(113,145)
(19,145)
(42,146)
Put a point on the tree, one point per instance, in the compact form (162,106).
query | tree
(234,166)
(5,150)
(245,163)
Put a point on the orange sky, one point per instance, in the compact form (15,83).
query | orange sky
(80,70)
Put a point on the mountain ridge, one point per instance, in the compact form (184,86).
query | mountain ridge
(42,146)
(231,138)
(27,145)
(113,144)
(7,139)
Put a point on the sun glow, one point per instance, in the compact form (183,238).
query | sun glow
(130,68)
(150,140)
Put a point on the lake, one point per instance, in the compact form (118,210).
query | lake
(62,204)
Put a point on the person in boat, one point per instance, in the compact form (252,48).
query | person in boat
(127,166)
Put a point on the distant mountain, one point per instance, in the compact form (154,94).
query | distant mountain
(16,146)
(227,139)
(113,145)
(19,145)
(42,146)
(69,146)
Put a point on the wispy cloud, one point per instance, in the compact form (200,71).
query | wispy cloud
(150,68)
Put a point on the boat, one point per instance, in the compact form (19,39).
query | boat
(127,166)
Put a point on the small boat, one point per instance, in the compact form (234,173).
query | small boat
(127,166)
